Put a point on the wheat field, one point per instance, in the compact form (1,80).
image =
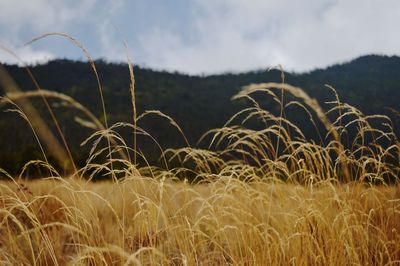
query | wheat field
(255,197)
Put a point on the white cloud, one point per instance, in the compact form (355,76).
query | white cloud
(42,14)
(36,17)
(24,55)
(241,35)
(110,38)
(347,29)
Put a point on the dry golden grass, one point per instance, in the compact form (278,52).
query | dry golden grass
(261,197)
(148,221)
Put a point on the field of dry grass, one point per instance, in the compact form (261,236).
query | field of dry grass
(143,221)
(266,196)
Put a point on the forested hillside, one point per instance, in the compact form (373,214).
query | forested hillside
(197,103)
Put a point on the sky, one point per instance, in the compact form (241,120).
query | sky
(203,36)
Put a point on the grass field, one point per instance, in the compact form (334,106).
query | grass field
(143,221)
(267,196)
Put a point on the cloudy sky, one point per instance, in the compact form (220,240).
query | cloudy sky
(204,36)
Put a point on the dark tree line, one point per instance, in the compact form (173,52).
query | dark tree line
(197,103)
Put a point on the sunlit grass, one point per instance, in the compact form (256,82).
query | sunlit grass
(228,221)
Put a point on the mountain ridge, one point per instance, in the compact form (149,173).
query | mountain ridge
(377,58)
